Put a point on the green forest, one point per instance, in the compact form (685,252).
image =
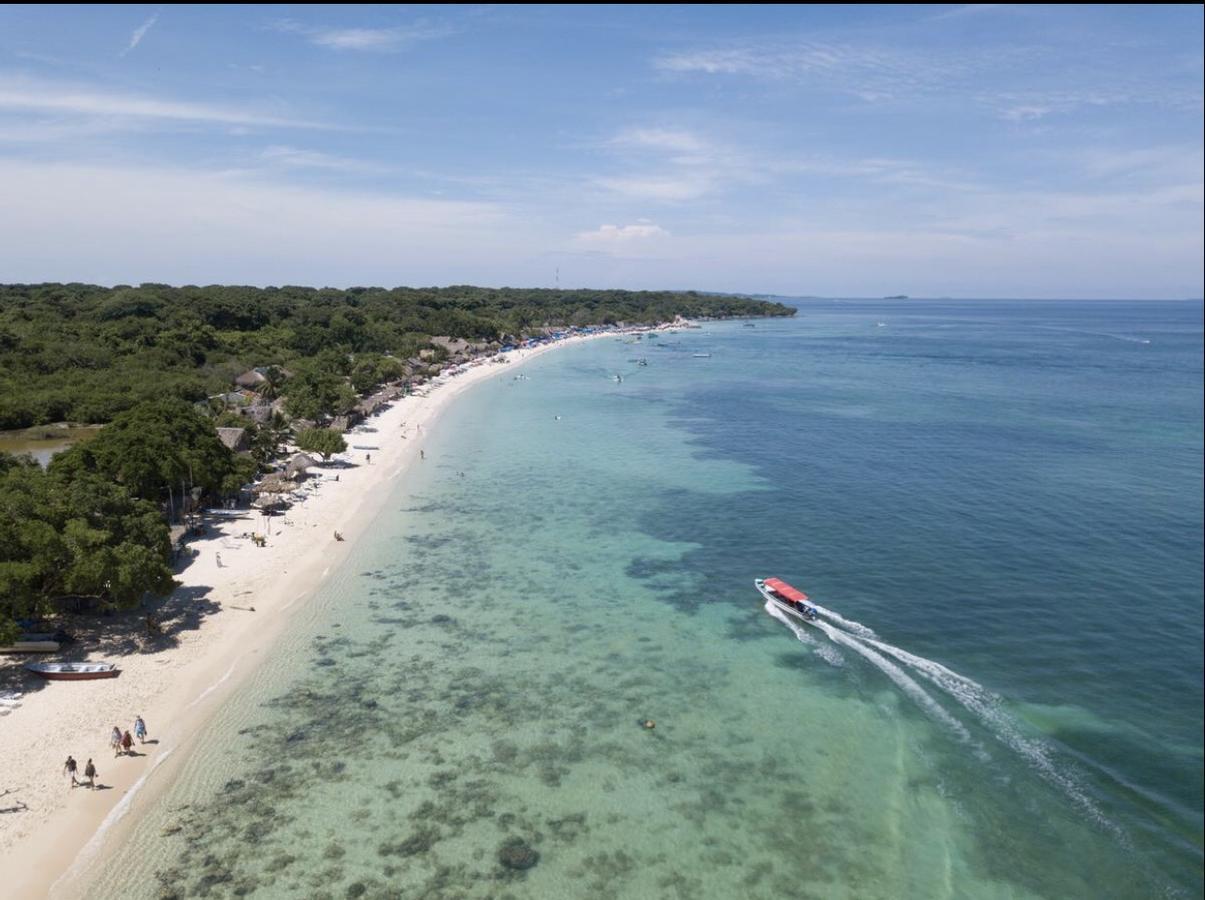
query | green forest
(148,361)
(82,353)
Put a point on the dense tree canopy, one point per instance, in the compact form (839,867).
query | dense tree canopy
(315,392)
(74,533)
(84,353)
(321,440)
(157,450)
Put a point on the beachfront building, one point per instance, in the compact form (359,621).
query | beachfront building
(236,439)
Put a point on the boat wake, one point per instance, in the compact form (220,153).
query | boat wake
(899,665)
(848,624)
(987,707)
(828,653)
(902,679)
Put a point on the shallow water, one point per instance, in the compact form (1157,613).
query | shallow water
(1007,495)
(42,443)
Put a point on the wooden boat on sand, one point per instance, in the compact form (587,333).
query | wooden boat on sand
(74,671)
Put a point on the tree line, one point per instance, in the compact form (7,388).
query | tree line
(84,353)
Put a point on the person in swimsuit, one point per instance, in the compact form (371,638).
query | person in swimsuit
(140,729)
(127,743)
(69,767)
(90,773)
(115,740)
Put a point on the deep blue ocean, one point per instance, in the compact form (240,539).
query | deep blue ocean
(1002,499)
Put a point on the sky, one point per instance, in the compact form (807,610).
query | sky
(859,151)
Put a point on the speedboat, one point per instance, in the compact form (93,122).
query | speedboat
(790,600)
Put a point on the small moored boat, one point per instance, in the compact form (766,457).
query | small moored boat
(74,671)
(790,600)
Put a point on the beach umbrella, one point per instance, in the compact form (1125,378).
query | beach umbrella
(298,465)
(273,485)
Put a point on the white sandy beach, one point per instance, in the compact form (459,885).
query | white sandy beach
(46,848)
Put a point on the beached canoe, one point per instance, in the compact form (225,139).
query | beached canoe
(74,671)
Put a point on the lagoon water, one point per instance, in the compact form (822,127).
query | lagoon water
(1007,496)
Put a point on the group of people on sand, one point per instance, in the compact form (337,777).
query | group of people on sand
(122,742)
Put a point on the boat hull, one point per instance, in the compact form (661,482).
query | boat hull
(85,672)
(790,609)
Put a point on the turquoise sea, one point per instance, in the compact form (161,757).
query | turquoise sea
(1003,499)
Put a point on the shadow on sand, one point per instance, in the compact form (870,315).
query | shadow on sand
(113,635)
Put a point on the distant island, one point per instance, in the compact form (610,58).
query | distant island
(897,297)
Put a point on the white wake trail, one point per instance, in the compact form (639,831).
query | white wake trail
(899,676)
(826,652)
(848,624)
(986,706)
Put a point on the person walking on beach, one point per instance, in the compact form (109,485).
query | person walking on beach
(90,773)
(115,740)
(422,454)
(69,768)
(127,744)
(140,729)
(219,560)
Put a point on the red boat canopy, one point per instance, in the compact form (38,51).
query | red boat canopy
(785,590)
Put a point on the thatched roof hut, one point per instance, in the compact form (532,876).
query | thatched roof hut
(259,412)
(236,439)
(273,484)
(451,344)
(250,379)
(298,465)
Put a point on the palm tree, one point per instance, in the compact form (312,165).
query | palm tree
(274,378)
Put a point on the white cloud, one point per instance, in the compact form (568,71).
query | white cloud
(660,139)
(24,94)
(140,33)
(612,235)
(372,39)
(1088,73)
(971,9)
(671,165)
(866,71)
(664,188)
(1024,113)
(292,157)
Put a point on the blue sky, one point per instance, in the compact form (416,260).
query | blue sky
(967,151)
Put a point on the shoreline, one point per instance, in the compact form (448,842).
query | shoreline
(238,597)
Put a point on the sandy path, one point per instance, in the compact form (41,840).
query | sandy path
(176,684)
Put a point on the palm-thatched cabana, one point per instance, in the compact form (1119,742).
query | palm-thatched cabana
(298,465)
